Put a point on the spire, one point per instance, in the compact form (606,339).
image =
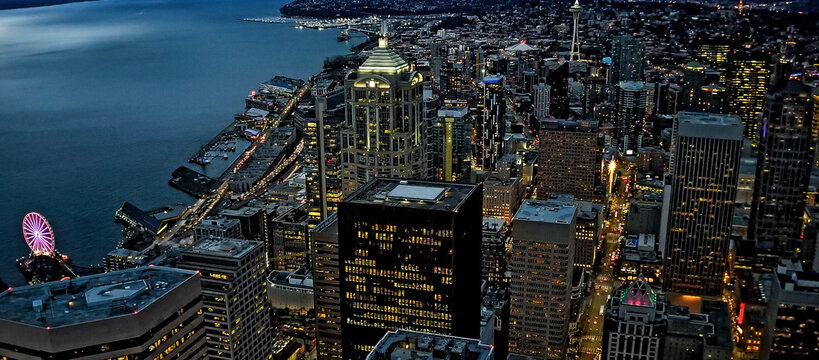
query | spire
(384,34)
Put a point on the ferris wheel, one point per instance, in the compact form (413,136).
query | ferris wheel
(38,234)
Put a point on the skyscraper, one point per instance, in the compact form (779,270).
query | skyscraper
(635,323)
(631,116)
(383,131)
(704,175)
(543,235)
(570,158)
(587,235)
(321,158)
(786,150)
(541,94)
(558,81)
(716,53)
(234,289)
(626,60)
(748,79)
(491,126)
(142,313)
(449,145)
(326,289)
(409,254)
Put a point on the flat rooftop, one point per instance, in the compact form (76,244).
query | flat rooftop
(413,193)
(89,298)
(710,126)
(405,344)
(225,247)
(556,212)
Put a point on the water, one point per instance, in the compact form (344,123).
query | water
(101,101)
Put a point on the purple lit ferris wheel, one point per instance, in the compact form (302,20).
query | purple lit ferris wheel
(38,234)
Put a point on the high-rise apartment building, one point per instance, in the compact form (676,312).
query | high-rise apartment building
(543,235)
(786,150)
(449,145)
(493,250)
(627,55)
(490,127)
(233,274)
(408,259)
(541,94)
(383,131)
(326,288)
(635,323)
(704,177)
(142,313)
(748,78)
(570,159)
(631,116)
(587,235)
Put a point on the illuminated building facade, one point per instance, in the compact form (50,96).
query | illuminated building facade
(383,130)
(326,288)
(543,235)
(541,96)
(587,235)
(704,177)
(493,251)
(408,257)
(449,145)
(635,323)
(501,197)
(234,290)
(490,126)
(786,150)
(627,55)
(795,307)
(290,236)
(570,158)
(631,116)
(143,313)
(321,159)
(748,79)
(716,53)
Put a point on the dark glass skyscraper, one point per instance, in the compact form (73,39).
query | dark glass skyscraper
(626,59)
(786,151)
(410,257)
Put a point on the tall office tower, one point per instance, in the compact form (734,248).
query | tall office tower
(493,250)
(704,177)
(321,158)
(541,94)
(234,289)
(542,253)
(574,53)
(289,239)
(449,145)
(143,313)
(716,53)
(631,116)
(490,127)
(383,131)
(712,99)
(452,80)
(408,259)
(635,323)
(587,235)
(570,158)
(786,150)
(674,99)
(558,81)
(501,196)
(748,79)
(326,291)
(407,344)
(626,59)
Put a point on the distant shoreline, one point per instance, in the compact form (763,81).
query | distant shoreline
(21,4)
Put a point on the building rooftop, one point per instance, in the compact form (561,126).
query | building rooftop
(711,126)
(89,298)
(383,59)
(493,224)
(217,222)
(224,247)
(453,111)
(548,211)
(413,193)
(632,85)
(413,345)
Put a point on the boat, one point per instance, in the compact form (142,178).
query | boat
(344,35)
